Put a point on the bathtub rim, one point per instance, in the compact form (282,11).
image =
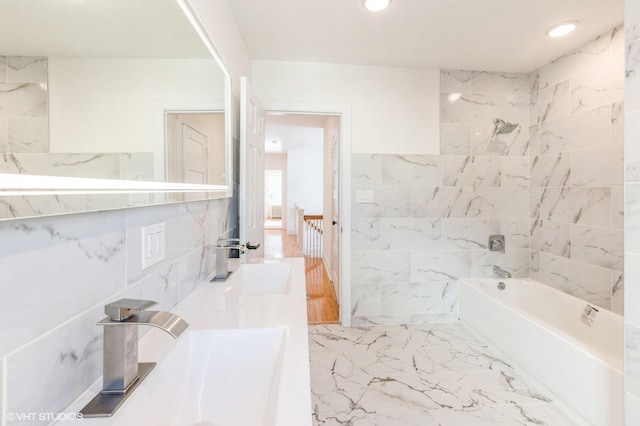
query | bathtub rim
(615,362)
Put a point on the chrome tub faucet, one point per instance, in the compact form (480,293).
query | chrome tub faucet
(121,371)
(501,273)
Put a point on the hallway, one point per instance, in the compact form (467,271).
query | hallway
(322,305)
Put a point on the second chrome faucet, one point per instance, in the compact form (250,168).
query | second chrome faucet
(222,255)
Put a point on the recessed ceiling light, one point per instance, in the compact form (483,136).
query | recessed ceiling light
(376,5)
(562,29)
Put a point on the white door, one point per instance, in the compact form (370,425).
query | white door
(335,210)
(195,153)
(251,169)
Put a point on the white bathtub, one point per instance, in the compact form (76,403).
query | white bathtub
(540,330)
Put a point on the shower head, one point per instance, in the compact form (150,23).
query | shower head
(503,127)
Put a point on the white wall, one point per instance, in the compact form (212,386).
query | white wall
(278,161)
(107,105)
(218,21)
(394,110)
(304,177)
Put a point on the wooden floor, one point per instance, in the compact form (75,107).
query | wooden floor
(322,305)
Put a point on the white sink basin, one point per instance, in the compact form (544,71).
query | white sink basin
(212,377)
(259,279)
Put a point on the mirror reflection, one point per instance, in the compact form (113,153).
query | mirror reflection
(109,90)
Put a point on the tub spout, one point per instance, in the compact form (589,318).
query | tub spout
(501,272)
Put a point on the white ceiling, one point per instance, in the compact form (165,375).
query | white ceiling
(488,35)
(293,130)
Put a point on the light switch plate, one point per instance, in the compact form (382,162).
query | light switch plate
(364,196)
(153,244)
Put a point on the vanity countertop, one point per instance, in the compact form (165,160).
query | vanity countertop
(208,307)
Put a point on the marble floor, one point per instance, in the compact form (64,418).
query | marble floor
(422,375)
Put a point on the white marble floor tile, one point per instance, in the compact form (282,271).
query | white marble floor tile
(419,375)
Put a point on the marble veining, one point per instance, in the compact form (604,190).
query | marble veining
(410,234)
(469,108)
(576,131)
(33,164)
(617,123)
(455,81)
(468,233)
(499,82)
(366,169)
(470,171)
(632,82)
(588,206)
(3,68)
(577,61)
(365,234)
(382,266)
(411,169)
(585,281)
(551,237)
(602,86)
(23,100)
(30,69)
(38,205)
(28,135)
(455,139)
(419,375)
(550,103)
(440,265)
(598,246)
(515,172)
(551,170)
(617,293)
(94,165)
(469,202)
(516,232)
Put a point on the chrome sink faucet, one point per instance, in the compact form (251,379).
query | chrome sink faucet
(121,371)
(222,256)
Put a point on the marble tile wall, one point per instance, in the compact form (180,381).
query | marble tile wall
(432,214)
(632,227)
(24,145)
(59,272)
(577,171)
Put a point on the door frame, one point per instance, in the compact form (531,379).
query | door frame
(344,112)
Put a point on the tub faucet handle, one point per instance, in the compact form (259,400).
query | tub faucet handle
(496,243)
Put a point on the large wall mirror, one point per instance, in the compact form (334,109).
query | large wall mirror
(109,104)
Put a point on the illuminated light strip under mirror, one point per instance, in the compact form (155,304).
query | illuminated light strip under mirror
(98,122)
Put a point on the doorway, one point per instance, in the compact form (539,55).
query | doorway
(305,148)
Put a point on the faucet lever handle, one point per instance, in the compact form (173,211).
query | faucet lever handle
(123,309)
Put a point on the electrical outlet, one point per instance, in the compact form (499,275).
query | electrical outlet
(364,196)
(153,244)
